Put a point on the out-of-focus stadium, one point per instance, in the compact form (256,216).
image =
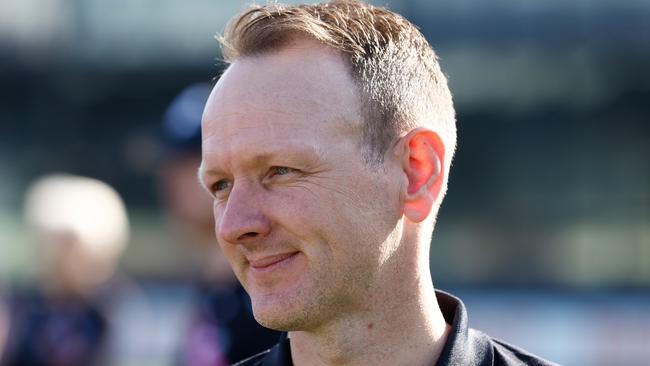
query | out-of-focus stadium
(545,231)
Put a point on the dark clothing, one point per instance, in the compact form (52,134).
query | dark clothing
(53,332)
(464,346)
(223,328)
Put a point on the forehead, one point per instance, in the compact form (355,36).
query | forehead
(301,94)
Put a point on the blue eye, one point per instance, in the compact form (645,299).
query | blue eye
(281,170)
(220,185)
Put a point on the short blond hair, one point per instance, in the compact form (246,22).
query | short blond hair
(400,83)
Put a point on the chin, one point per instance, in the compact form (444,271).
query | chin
(279,315)
(274,323)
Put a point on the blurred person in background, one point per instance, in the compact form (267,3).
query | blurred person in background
(222,328)
(327,145)
(81,229)
(4,324)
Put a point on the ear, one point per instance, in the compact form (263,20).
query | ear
(422,155)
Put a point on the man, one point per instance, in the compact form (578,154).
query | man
(326,146)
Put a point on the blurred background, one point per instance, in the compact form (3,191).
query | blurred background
(545,232)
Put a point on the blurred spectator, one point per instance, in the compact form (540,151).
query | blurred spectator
(4,326)
(222,328)
(81,229)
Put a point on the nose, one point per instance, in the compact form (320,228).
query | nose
(243,219)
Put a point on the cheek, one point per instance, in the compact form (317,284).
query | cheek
(328,221)
(302,209)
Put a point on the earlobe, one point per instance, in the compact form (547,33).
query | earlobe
(422,159)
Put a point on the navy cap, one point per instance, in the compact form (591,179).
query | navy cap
(182,119)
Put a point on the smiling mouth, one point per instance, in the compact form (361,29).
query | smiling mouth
(270,262)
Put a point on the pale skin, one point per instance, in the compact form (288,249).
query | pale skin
(330,249)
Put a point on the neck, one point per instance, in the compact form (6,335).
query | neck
(402,325)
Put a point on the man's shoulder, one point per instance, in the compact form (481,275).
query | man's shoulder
(506,354)
(255,360)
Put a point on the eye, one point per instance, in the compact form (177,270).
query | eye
(280,170)
(220,185)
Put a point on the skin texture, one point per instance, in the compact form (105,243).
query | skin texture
(328,248)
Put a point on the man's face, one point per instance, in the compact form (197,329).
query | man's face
(305,224)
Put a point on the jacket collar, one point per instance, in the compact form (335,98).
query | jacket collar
(458,349)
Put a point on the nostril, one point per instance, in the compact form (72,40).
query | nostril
(249,235)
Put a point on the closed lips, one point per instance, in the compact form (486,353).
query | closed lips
(270,260)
